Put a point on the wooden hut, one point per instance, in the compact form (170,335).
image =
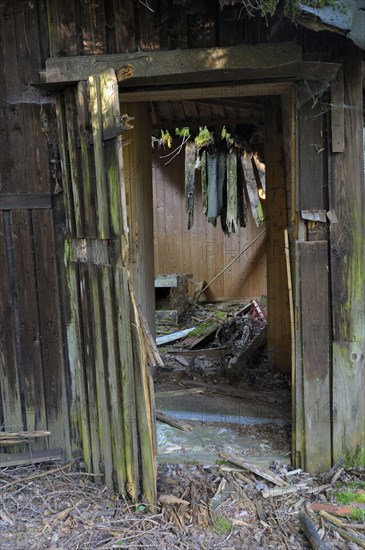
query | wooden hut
(76,211)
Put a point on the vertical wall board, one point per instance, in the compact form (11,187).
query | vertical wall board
(89,330)
(56,401)
(279,340)
(79,406)
(298,430)
(346,190)
(75,162)
(87,160)
(149,17)
(126,344)
(231,28)
(202,26)
(11,401)
(65,166)
(100,355)
(137,157)
(111,121)
(96,114)
(338,114)
(30,336)
(113,380)
(62,28)
(173,27)
(316,354)
(93,29)
(124,28)
(348,424)
(311,156)
(203,250)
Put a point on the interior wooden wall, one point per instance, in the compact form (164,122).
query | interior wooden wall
(203,250)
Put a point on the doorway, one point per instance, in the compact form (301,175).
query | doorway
(203,251)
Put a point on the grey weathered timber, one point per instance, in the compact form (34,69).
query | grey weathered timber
(22,201)
(147,65)
(347,250)
(316,409)
(246,62)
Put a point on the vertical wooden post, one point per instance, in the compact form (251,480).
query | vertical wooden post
(347,199)
(279,344)
(138,182)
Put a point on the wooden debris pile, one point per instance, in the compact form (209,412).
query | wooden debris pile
(276,507)
(234,504)
(227,340)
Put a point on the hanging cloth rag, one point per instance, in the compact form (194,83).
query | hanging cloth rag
(212,177)
(204,181)
(190,154)
(231,217)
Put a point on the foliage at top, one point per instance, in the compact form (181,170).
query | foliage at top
(268,7)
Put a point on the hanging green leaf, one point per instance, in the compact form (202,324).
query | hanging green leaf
(166,138)
(203,177)
(190,154)
(231,218)
(204,138)
(182,132)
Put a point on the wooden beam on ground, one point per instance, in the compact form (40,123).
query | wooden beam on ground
(179,65)
(32,457)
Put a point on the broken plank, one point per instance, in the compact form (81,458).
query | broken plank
(173,337)
(33,457)
(208,352)
(262,472)
(167,419)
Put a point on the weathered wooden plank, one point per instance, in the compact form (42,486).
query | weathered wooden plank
(173,27)
(279,342)
(137,158)
(32,457)
(298,433)
(312,156)
(74,159)
(89,330)
(126,343)
(172,66)
(65,165)
(87,160)
(202,26)
(96,114)
(111,120)
(148,25)
(124,26)
(62,31)
(93,29)
(316,354)
(347,268)
(30,324)
(51,331)
(79,406)
(100,355)
(10,389)
(113,380)
(145,407)
(223,91)
(24,201)
(338,114)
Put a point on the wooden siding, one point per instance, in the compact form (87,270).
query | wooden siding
(203,250)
